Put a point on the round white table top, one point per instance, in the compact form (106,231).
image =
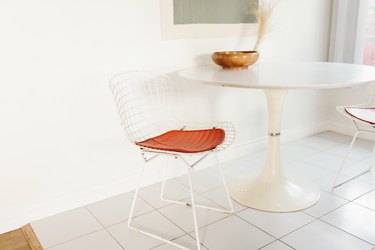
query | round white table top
(289,75)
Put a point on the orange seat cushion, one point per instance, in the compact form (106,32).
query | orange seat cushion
(186,141)
(363,114)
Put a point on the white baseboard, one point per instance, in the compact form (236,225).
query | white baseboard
(20,217)
(260,143)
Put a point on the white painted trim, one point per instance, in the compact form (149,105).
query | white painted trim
(20,217)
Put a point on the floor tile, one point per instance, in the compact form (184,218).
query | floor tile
(319,176)
(327,203)
(276,245)
(152,222)
(369,177)
(319,235)
(360,167)
(203,180)
(293,151)
(183,215)
(186,241)
(258,158)
(173,190)
(368,200)
(365,144)
(324,180)
(95,241)
(219,197)
(116,209)
(354,219)
(356,153)
(289,152)
(353,189)
(317,142)
(356,168)
(234,169)
(63,227)
(276,224)
(333,136)
(330,162)
(233,233)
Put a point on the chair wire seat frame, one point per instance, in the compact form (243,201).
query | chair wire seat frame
(145,102)
(361,126)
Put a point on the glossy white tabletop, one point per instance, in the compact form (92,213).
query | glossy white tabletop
(290,75)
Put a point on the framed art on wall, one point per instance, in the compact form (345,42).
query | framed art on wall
(182,19)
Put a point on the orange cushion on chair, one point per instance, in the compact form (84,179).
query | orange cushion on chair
(186,141)
(363,114)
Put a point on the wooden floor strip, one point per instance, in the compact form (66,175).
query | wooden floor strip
(20,239)
(31,238)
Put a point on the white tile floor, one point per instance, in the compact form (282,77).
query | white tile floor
(342,219)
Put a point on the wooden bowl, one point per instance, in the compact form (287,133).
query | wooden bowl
(235,59)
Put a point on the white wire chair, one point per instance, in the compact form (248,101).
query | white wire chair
(145,103)
(362,124)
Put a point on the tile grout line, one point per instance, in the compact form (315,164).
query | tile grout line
(309,223)
(154,210)
(157,210)
(205,196)
(83,235)
(188,233)
(320,218)
(363,205)
(345,231)
(346,203)
(254,226)
(274,242)
(66,241)
(105,228)
(367,192)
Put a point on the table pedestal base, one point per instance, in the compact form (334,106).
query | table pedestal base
(284,195)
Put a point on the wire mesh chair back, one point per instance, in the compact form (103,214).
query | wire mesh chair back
(145,103)
(361,126)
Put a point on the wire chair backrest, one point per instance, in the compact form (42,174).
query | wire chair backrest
(145,103)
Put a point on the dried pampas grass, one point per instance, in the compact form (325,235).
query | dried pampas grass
(263,13)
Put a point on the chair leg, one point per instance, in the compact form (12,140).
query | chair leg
(335,183)
(135,198)
(143,231)
(194,209)
(231,210)
(162,192)
(163,189)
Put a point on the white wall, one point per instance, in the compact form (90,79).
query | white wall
(60,141)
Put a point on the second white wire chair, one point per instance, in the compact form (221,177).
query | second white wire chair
(145,103)
(363,117)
